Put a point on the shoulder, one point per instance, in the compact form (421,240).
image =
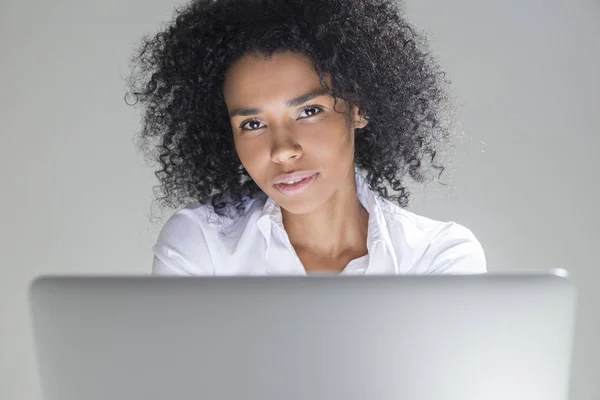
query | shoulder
(192,237)
(182,245)
(428,246)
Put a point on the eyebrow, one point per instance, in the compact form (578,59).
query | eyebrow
(244,112)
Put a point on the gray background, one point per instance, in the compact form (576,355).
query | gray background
(76,196)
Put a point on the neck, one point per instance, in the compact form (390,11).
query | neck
(336,230)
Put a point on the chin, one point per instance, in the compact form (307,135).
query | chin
(298,206)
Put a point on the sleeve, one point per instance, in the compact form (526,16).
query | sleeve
(454,250)
(182,248)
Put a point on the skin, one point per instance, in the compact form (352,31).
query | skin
(326,224)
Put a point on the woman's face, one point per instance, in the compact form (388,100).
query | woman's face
(283,121)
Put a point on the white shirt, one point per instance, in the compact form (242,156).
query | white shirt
(196,241)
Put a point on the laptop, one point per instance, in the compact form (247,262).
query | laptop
(492,337)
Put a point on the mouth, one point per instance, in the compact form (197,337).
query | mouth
(297,186)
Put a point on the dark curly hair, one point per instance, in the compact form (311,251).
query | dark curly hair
(375,60)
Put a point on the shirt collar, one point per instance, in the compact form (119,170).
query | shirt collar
(271,218)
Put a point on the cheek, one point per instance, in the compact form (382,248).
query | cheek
(241,152)
(337,139)
(251,154)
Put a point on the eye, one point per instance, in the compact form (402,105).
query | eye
(310,111)
(252,125)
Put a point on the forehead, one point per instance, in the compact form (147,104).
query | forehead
(254,79)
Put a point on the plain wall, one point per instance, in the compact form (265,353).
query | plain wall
(76,196)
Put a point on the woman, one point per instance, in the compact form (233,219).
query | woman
(282,127)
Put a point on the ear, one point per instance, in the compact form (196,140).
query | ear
(359,118)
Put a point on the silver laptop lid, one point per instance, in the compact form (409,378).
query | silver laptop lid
(492,337)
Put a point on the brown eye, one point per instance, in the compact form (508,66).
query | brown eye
(310,111)
(251,125)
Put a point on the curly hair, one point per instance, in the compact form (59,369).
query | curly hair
(374,59)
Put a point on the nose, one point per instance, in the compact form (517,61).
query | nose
(285,148)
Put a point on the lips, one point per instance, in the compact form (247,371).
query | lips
(294,176)
(297,187)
